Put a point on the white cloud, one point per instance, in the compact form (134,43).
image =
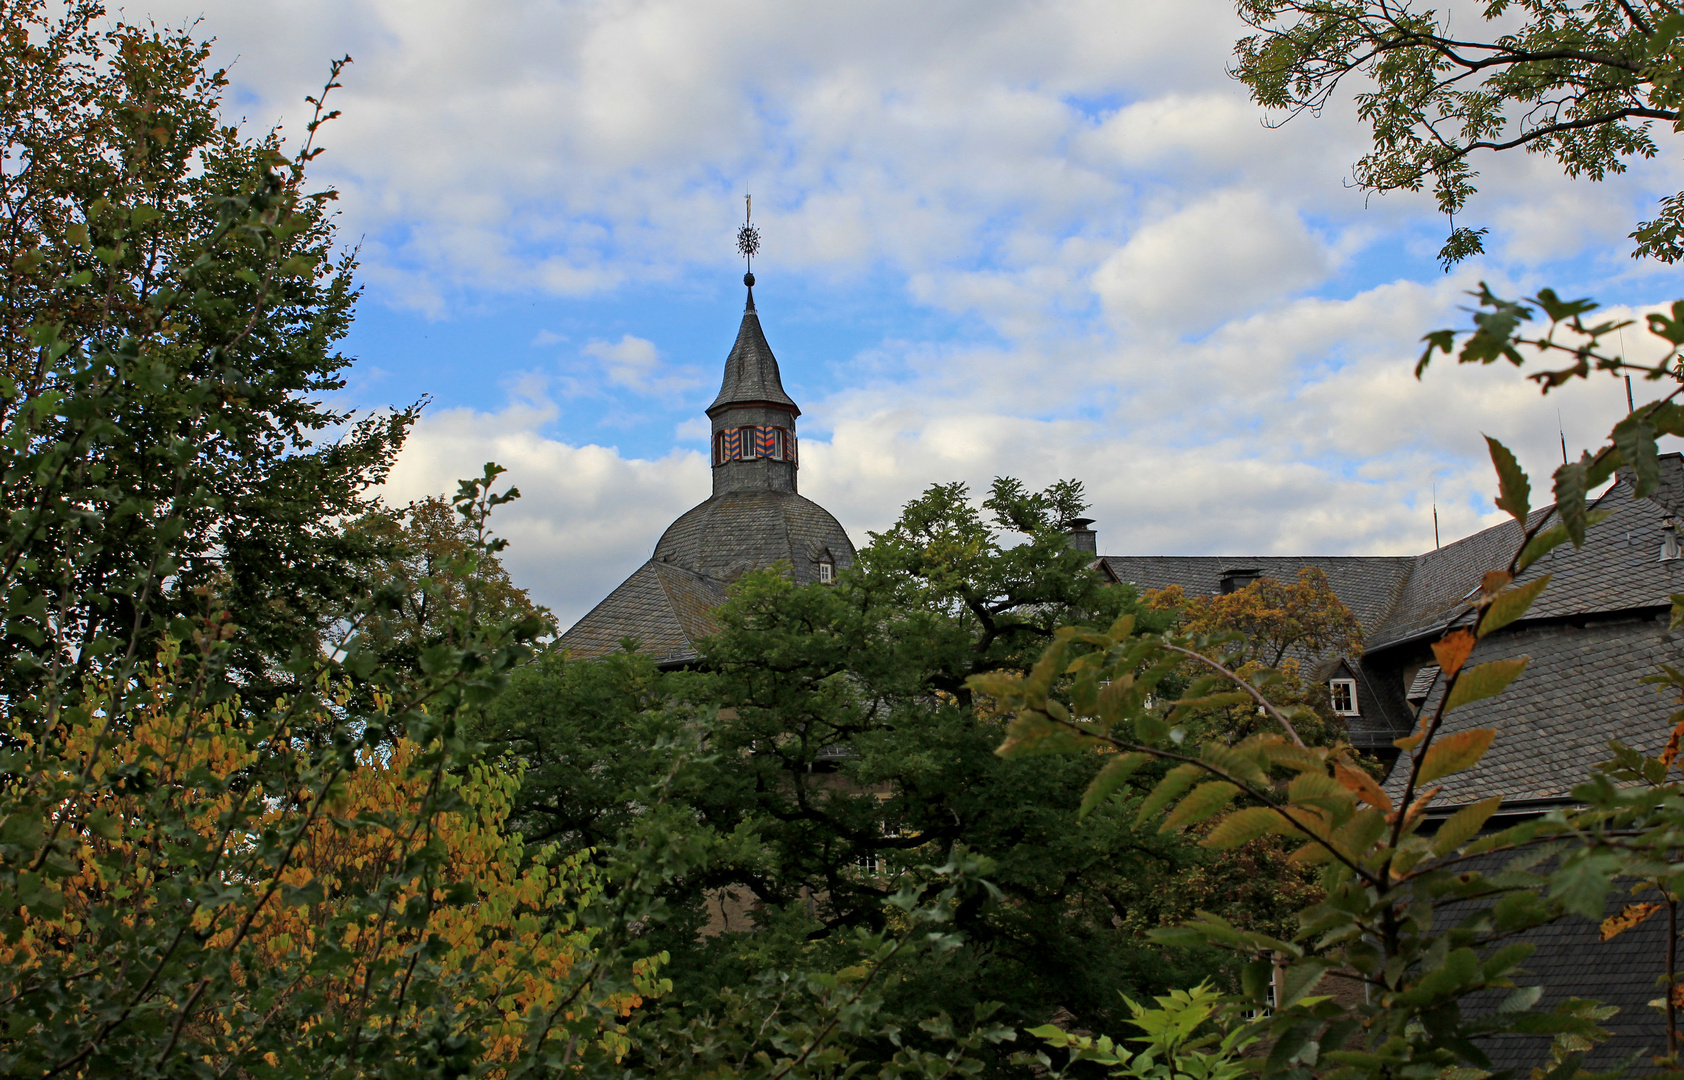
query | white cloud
(1156,275)
(1215,259)
(634,363)
(586,517)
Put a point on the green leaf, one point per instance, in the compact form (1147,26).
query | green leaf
(1571,484)
(1204,801)
(1635,440)
(1246,825)
(1110,778)
(1176,781)
(1463,825)
(1510,605)
(1515,490)
(1442,340)
(1552,537)
(1677,611)
(1237,763)
(1484,680)
(1455,752)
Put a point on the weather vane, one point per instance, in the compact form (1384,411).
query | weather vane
(748,239)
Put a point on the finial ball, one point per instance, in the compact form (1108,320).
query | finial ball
(748,279)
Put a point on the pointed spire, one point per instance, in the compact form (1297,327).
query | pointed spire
(751,371)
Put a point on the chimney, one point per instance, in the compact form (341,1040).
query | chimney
(1080,536)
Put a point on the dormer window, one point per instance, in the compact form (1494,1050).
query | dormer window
(1342,696)
(827,571)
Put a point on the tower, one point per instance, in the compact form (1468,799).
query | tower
(754,519)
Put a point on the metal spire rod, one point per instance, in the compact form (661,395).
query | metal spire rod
(748,240)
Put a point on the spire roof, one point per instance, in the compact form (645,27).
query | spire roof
(751,371)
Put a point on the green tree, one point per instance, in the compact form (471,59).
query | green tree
(216,452)
(420,581)
(224,849)
(846,750)
(1581,80)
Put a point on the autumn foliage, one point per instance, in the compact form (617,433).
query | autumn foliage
(403,909)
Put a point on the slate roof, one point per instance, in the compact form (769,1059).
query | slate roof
(1368,585)
(737,531)
(1579,690)
(667,604)
(1619,568)
(1571,961)
(1399,598)
(751,371)
(664,608)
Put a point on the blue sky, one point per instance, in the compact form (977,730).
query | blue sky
(1048,239)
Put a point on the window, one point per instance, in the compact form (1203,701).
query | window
(869,863)
(750,450)
(827,571)
(1343,694)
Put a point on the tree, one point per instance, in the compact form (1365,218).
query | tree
(422,549)
(1581,80)
(175,280)
(400,924)
(845,751)
(1281,627)
(225,849)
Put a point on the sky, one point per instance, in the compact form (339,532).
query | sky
(1041,239)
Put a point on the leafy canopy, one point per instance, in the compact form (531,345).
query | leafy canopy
(1583,81)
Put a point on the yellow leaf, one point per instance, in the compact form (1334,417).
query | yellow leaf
(1204,801)
(1364,786)
(1461,826)
(1632,914)
(1245,825)
(1452,651)
(1455,752)
(1510,605)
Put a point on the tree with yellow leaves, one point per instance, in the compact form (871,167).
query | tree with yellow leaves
(286,921)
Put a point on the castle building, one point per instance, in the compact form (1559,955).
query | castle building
(1603,623)
(755,519)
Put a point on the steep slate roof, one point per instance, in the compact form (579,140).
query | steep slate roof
(1579,690)
(666,609)
(1618,568)
(751,371)
(1571,961)
(753,522)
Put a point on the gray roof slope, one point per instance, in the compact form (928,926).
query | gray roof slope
(738,531)
(751,371)
(1571,961)
(665,608)
(1400,598)
(1553,723)
(1618,569)
(1368,585)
